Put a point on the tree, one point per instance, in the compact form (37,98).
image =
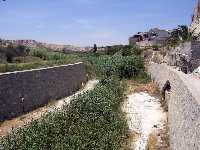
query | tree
(182,34)
(95,48)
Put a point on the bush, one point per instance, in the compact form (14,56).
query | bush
(111,50)
(41,53)
(11,51)
(93,120)
(143,78)
(131,50)
(123,67)
(56,56)
(26,59)
(33,62)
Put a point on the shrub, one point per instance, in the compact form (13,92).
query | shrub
(123,67)
(41,53)
(26,59)
(143,78)
(111,50)
(131,50)
(33,62)
(55,56)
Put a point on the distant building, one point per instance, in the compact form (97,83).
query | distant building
(140,36)
(29,43)
(154,36)
(158,36)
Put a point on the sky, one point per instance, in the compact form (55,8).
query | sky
(85,22)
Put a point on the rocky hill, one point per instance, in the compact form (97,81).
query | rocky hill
(36,44)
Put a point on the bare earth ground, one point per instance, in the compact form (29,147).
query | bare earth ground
(7,126)
(146,119)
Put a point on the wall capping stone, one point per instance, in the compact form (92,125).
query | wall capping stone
(42,68)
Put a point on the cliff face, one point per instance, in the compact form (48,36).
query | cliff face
(195,26)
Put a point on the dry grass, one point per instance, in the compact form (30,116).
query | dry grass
(165,138)
(151,88)
(159,141)
(131,137)
(152,142)
(135,87)
(155,142)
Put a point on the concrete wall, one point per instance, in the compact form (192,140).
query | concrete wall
(195,60)
(195,46)
(186,56)
(23,91)
(184,106)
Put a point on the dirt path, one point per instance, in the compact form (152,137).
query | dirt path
(7,126)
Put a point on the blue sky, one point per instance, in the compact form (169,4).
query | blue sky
(85,22)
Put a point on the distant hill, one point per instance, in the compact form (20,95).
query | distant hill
(36,44)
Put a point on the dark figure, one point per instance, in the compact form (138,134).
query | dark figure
(95,48)
(167,87)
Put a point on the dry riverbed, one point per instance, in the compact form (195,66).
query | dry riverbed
(146,118)
(7,126)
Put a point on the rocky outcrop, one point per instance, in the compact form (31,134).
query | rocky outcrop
(186,56)
(195,26)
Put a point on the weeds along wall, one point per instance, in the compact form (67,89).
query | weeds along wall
(184,106)
(24,91)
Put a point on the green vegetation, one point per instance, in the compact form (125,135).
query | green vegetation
(125,50)
(44,54)
(12,51)
(93,120)
(123,67)
(38,58)
(11,67)
(125,63)
(131,51)
(182,34)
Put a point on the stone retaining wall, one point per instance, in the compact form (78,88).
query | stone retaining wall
(24,91)
(184,106)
